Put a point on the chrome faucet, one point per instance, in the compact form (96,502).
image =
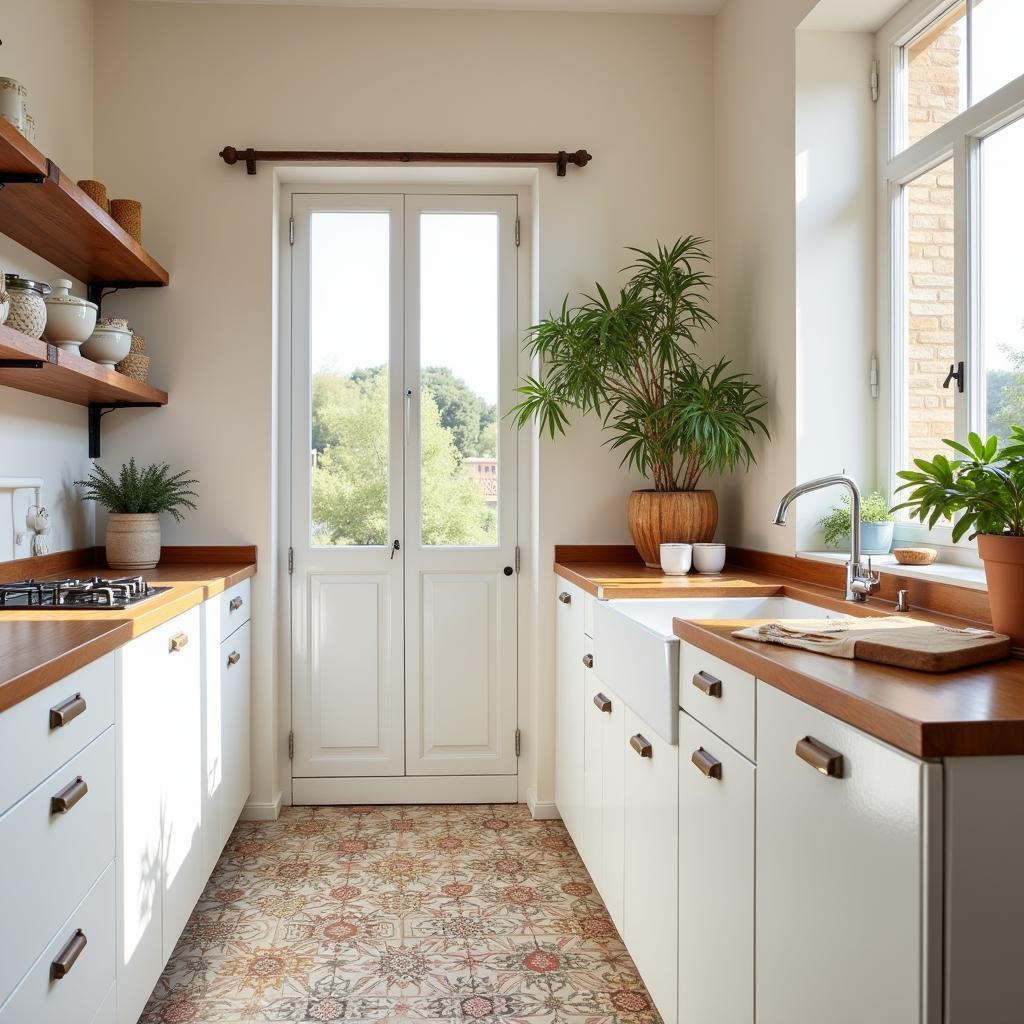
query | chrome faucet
(861,582)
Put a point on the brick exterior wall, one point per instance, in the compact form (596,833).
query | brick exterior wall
(933,85)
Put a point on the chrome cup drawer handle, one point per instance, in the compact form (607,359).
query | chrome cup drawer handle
(66,711)
(62,802)
(709,765)
(565,597)
(820,757)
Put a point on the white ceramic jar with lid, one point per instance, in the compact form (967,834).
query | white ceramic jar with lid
(110,342)
(69,319)
(28,310)
(13,109)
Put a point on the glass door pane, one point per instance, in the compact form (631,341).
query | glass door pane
(349,342)
(1002,279)
(459,341)
(935,74)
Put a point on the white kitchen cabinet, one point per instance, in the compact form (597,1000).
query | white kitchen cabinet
(716,878)
(236,687)
(650,860)
(569,688)
(845,871)
(613,808)
(596,707)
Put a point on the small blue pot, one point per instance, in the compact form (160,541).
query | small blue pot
(875,539)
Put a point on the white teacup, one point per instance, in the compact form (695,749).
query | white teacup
(709,558)
(676,559)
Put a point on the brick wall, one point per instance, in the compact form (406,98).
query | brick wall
(933,86)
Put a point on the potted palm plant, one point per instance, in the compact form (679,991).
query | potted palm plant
(134,502)
(983,484)
(631,361)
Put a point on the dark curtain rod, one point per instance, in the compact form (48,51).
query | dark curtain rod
(250,157)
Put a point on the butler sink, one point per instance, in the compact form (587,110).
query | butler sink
(637,654)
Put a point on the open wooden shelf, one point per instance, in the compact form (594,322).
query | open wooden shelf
(68,377)
(43,210)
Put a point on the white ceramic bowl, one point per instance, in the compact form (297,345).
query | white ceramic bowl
(676,559)
(709,558)
(69,319)
(107,346)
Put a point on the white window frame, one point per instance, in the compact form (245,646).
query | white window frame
(961,139)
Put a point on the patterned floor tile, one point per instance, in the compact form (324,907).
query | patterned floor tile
(407,914)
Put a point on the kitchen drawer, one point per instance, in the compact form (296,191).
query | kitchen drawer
(720,696)
(85,993)
(236,686)
(33,741)
(235,607)
(52,858)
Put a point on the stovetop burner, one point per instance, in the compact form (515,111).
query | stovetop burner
(85,594)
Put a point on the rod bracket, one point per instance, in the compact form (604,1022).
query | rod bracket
(97,410)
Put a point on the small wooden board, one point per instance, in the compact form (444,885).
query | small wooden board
(904,652)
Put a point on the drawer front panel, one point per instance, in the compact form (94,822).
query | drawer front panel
(236,684)
(716,878)
(32,738)
(52,858)
(87,986)
(720,696)
(235,607)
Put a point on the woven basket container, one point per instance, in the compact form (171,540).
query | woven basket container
(134,365)
(138,345)
(128,213)
(915,556)
(97,192)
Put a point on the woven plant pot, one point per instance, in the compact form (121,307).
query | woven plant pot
(97,192)
(670,517)
(138,345)
(134,365)
(133,540)
(128,213)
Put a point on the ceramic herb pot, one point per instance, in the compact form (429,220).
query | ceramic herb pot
(69,319)
(28,310)
(133,540)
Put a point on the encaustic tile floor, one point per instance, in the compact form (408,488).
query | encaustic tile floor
(439,914)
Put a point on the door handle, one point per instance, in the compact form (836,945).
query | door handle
(821,758)
(66,710)
(408,413)
(396,545)
(63,801)
(707,683)
(709,765)
(66,958)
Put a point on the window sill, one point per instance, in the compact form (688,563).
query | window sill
(939,572)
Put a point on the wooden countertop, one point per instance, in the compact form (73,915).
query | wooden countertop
(973,712)
(39,647)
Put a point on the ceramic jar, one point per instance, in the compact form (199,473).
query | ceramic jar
(109,343)
(69,319)
(5,302)
(13,103)
(133,540)
(28,310)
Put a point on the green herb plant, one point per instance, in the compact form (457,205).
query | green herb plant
(983,483)
(631,361)
(836,524)
(151,489)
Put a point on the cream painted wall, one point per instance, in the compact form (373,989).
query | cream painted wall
(755,231)
(171,90)
(47,46)
(836,420)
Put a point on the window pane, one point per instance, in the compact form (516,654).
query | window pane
(1002,278)
(349,332)
(459,472)
(936,74)
(928,202)
(997,34)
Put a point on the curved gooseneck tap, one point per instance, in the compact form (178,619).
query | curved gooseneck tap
(861,583)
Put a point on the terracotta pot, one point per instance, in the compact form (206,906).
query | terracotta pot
(670,517)
(133,541)
(1004,571)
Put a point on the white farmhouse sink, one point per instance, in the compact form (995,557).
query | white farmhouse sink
(637,654)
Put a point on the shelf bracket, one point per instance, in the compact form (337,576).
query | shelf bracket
(30,177)
(21,364)
(97,291)
(97,410)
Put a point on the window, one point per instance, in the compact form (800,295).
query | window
(951,188)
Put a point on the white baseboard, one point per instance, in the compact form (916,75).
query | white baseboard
(541,810)
(269,811)
(408,789)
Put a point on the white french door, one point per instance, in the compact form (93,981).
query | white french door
(403,494)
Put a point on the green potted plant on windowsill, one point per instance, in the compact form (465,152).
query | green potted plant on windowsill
(983,486)
(876,528)
(134,502)
(631,362)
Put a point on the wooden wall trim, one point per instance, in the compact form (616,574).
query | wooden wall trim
(208,554)
(620,554)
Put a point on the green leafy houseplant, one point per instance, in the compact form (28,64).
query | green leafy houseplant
(836,524)
(631,361)
(135,500)
(982,487)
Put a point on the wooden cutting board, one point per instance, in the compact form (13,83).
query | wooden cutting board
(900,641)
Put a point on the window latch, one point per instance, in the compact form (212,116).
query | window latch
(956,373)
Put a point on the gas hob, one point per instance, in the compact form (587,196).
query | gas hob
(96,593)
